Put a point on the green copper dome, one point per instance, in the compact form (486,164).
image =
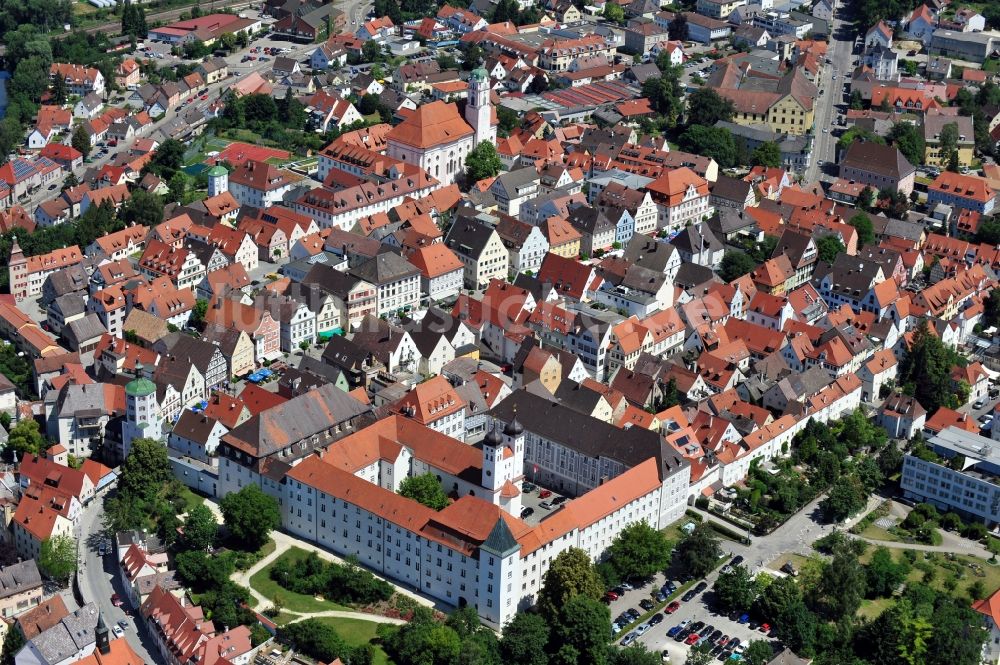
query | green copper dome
(139,386)
(479,74)
(217,171)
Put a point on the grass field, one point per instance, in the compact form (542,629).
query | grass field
(878,533)
(190,498)
(357,632)
(291,601)
(958,567)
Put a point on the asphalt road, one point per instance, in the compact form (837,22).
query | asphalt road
(824,144)
(99,580)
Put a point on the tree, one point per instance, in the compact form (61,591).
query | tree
(425,489)
(758,652)
(423,641)
(168,158)
(80,141)
(714,142)
(524,640)
(948,144)
(59,91)
(845,498)
(371,51)
(12,643)
(200,529)
(507,120)
(146,468)
(250,516)
(315,639)
(639,551)
(699,655)
(636,654)
(665,94)
(569,575)
(866,198)
(863,225)
(614,12)
(584,624)
(201,571)
(483,162)
(766,154)
(199,311)
(735,589)
(883,574)
(178,184)
(841,586)
(706,107)
(829,247)
(735,264)
(699,552)
(678,28)
(57,558)
(142,208)
(909,139)
(925,371)
(958,636)
(25,439)
(857,133)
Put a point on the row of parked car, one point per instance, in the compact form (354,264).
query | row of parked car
(697,633)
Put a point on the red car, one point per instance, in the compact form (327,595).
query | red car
(692,638)
(672,607)
(545,494)
(116,600)
(765,628)
(610,595)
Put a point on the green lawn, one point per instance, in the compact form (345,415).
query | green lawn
(878,533)
(797,560)
(190,498)
(944,568)
(872,608)
(357,632)
(991,65)
(293,602)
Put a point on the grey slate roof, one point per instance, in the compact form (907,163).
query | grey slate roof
(468,237)
(19,577)
(648,253)
(385,269)
(588,435)
(84,330)
(297,420)
(74,633)
(194,427)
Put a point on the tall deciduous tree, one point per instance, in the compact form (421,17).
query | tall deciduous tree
(570,574)
(699,552)
(25,438)
(706,107)
(735,589)
(483,162)
(250,516)
(426,489)
(584,624)
(828,247)
(57,558)
(766,154)
(80,141)
(639,551)
(926,370)
(735,264)
(200,529)
(863,225)
(524,640)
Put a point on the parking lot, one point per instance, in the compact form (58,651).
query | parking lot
(533,499)
(699,608)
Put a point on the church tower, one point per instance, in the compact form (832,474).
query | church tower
(18,272)
(218,180)
(478,109)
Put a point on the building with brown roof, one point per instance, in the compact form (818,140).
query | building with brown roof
(878,166)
